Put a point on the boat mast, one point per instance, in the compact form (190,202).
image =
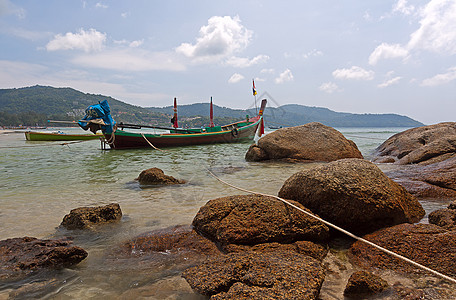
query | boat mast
(211,115)
(175,114)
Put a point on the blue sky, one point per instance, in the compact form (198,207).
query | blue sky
(375,56)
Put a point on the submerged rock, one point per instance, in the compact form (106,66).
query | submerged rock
(88,217)
(255,219)
(426,244)
(421,145)
(309,142)
(22,256)
(252,275)
(156,176)
(362,284)
(353,194)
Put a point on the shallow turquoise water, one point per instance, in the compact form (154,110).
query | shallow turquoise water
(40,182)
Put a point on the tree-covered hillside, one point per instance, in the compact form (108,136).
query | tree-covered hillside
(35,105)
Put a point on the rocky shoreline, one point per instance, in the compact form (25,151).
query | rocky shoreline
(254,246)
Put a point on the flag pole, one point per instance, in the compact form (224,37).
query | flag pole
(211,115)
(255,95)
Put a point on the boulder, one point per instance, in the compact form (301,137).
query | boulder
(426,244)
(88,217)
(252,275)
(309,142)
(156,176)
(437,180)
(445,218)
(307,248)
(22,256)
(353,194)
(421,145)
(362,284)
(256,219)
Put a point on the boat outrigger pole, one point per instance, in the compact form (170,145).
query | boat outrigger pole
(211,115)
(174,119)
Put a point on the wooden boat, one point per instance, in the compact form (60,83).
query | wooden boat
(234,132)
(59,136)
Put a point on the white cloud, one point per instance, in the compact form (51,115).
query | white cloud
(284,76)
(125,14)
(440,79)
(354,72)
(387,51)
(135,44)
(329,87)
(401,7)
(236,77)
(437,32)
(221,38)
(389,82)
(88,41)
(7,8)
(267,71)
(101,5)
(312,53)
(241,62)
(131,59)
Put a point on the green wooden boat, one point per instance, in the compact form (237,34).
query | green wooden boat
(59,136)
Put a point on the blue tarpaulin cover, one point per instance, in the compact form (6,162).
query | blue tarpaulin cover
(93,115)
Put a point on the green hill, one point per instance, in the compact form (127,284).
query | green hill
(35,105)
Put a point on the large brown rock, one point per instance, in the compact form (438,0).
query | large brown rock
(22,256)
(252,275)
(426,244)
(309,142)
(353,194)
(88,217)
(437,180)
(421,145)
(255,219)
(156,176)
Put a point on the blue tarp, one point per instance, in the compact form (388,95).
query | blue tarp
(95,113)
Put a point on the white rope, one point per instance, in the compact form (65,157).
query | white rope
(340,229)
(152,145)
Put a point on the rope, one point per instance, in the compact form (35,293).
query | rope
(151,143)
(340,229)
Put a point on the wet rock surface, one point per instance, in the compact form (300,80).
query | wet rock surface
(20,257)
(156,176)
(255,219)
(437,180)
(353,194)
(309,142)
(178,240)
(362,284)
(88,217)
(426,244)
(421,145)
(252,275)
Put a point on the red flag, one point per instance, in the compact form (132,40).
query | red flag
(175,114)
(253,88)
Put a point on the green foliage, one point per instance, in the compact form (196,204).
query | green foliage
(33,106)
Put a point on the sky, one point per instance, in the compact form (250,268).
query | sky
(376,56)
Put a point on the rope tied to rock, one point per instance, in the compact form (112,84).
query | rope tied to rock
(453,280)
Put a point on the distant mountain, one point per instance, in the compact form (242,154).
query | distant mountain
(34,105)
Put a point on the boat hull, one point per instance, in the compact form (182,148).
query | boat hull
(50,136)
(128,140)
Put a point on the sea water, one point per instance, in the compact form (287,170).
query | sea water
(41,182)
